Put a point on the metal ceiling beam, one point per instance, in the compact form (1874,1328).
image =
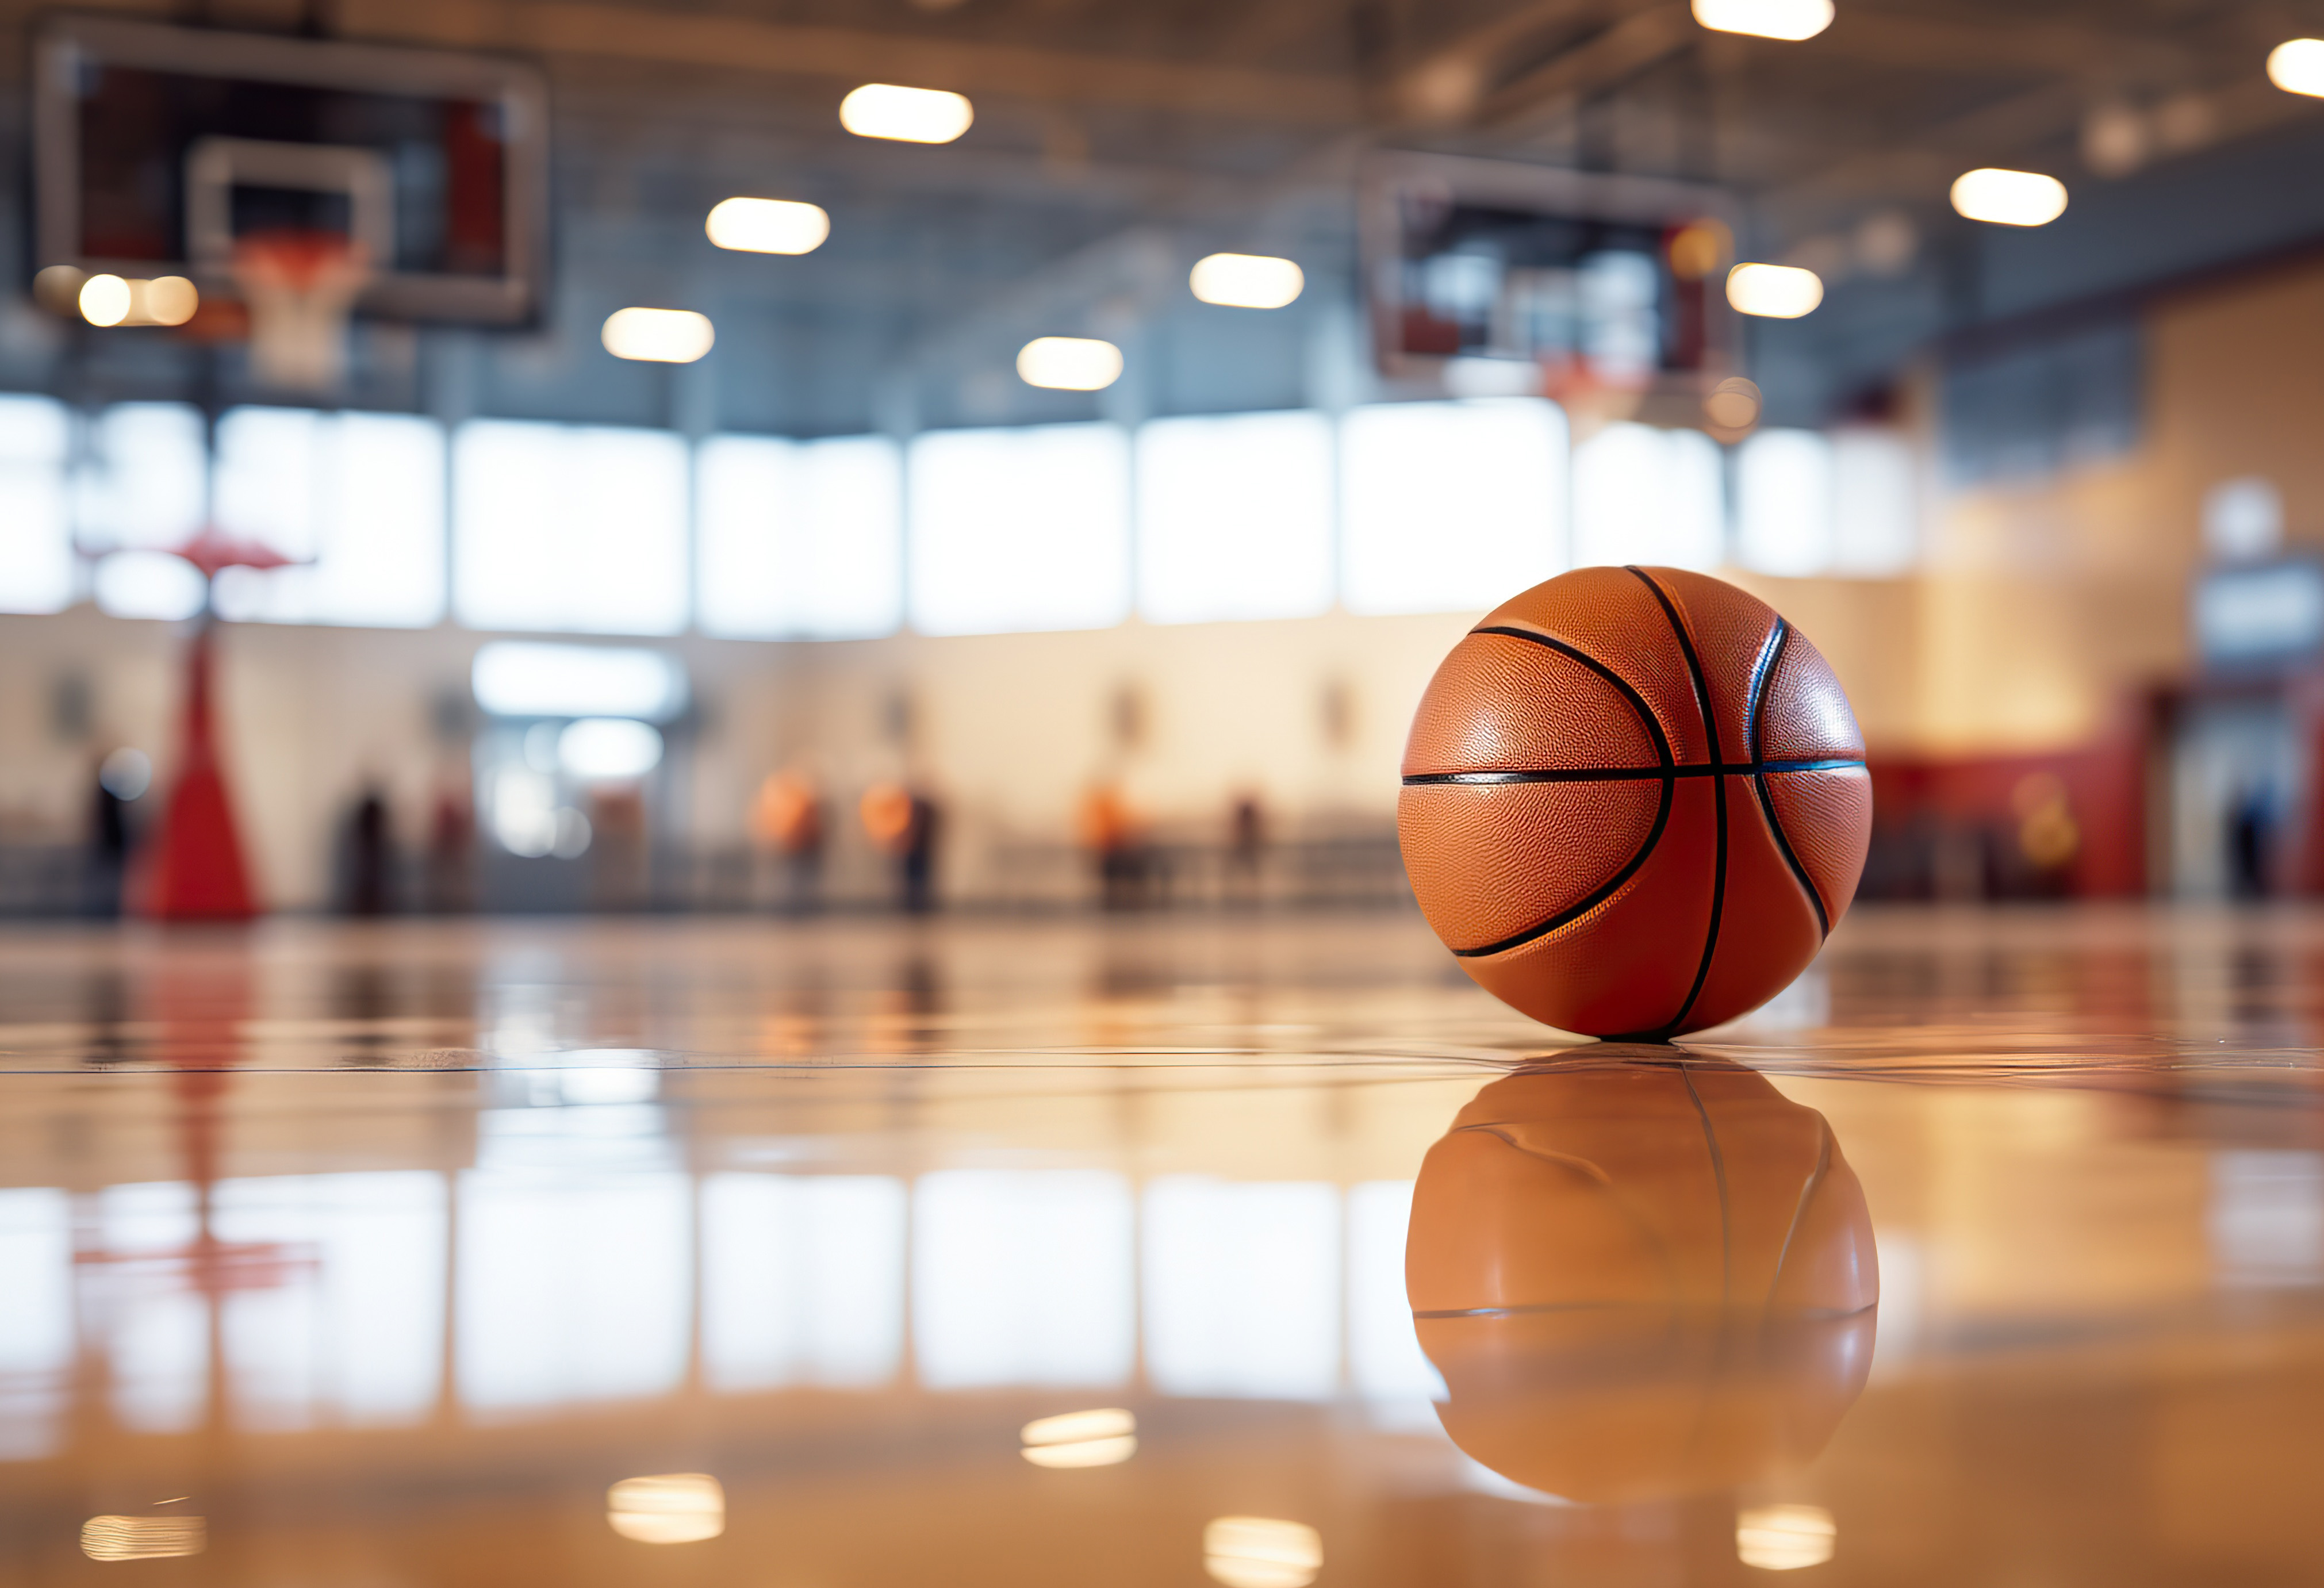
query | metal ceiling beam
(1622,51)
(2020,46)
(735,44)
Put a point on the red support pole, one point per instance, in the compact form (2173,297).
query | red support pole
(196,871)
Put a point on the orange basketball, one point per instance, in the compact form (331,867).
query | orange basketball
(1634,802)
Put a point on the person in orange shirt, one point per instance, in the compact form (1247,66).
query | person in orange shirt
(1109,831)
(786,819)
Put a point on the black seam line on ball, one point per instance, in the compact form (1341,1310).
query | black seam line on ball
(1629,692)
(1629,774)
(1718,792)
(1665,773)
(1760,676)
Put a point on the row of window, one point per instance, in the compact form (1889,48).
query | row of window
(518,525)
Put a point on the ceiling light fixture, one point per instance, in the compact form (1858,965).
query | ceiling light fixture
(1792,20)
(908,116)
(1069,363)
(2297,66)
(1247,281)
(767,225)
(659,336)
(1774,291)
(2009,198)
(105,300)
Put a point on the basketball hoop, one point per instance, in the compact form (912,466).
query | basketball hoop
(299,285)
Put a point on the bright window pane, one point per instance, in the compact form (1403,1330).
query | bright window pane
(146,482)
(568,527)
(1021,1277)
(1242,1289)
(360,493)
(1875,502)
(1449,506)
(36,567)
(1019,529)
(802,1279)
(1234,517)
(1784,503)
(801,537)
(148,584)
(1649,497)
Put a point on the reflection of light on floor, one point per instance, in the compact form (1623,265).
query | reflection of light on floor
(574,1282)
(158,1328)
(1100,1438)
(1242,1287)
(1479,1479)
(1784,1538)
(36,1318)
(141,1537)
(1904,1298)
(2266,1217)
(1022,1277)
(1384,1357)
(1261,1552)
(668,1507)
(802,1279)
(573,1286)
(351,1327)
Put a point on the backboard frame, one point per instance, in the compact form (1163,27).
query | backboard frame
(1640,201)
(64,44)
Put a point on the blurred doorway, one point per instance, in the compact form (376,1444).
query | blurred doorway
(2236,783)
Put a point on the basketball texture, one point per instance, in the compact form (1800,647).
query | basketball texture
(1634,802)
(1641,1278)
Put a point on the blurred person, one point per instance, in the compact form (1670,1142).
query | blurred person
(905,824)
(618,874)
(920,866)
(2251,841)
(1109,831)
(369,853)
(1246,846)
(451,849)
(118,780)
(786,817)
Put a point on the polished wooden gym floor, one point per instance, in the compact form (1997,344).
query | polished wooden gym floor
(377,1257)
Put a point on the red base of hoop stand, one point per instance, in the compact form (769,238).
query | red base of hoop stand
(196,870)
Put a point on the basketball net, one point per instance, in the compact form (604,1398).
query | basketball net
(1591,401)
(299,286)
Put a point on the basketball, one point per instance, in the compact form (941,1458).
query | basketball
(1640,1279)
(1635,802)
